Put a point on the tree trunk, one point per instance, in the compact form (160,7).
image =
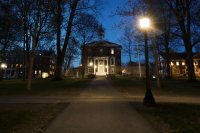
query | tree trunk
(61,53)
(156,62)
(31,61)
(58,70)
(189,62)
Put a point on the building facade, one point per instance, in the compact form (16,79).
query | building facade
(43,67)
(178,68)
(101,58)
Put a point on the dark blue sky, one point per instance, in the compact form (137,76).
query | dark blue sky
(109,19)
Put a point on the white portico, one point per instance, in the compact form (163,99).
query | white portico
(101,66)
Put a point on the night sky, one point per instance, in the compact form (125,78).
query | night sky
(110,22)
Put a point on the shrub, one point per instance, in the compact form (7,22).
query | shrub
(91,76)
(110,76)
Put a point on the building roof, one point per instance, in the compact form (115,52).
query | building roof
(175,56)
(103,43)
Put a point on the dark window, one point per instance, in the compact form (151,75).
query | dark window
(96,62)
(105,62)
(101,50)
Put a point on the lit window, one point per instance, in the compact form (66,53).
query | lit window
(39,71)
(101,50)
(177,63)
(16,65)
(172,64)
(45,75)
(112,51)
(195,63)
(91,63)
(35,72)
(20,65)
(183,63)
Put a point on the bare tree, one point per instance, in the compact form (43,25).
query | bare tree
(185,12)
(128,42)
(71,10)
(38,25)
(86,28)
(9,28)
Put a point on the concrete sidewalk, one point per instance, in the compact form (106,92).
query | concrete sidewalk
(100,117)
(98,98)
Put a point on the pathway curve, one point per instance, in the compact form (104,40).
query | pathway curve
(95,116)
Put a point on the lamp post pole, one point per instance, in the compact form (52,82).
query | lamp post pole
(148,99)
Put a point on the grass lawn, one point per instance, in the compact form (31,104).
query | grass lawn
(172,118)
(169,87)
(43,87)
(27,118)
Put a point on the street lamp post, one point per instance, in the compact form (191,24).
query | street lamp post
(3,66)
(148,99)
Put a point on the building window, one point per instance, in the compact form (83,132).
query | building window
(112,70)
(105,62)
(101,50)
(112,51)
(89,70)
(100,62)
(195,63)
(96,62)
(45,75)
(112,61)
(90,62)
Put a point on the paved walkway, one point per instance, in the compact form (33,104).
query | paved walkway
(99,116)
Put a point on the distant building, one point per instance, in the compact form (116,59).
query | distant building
(134,70)
(178,68)
(43,67)
(101,58)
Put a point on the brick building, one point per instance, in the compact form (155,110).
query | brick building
(101,58)
(43,67)
(178,68)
